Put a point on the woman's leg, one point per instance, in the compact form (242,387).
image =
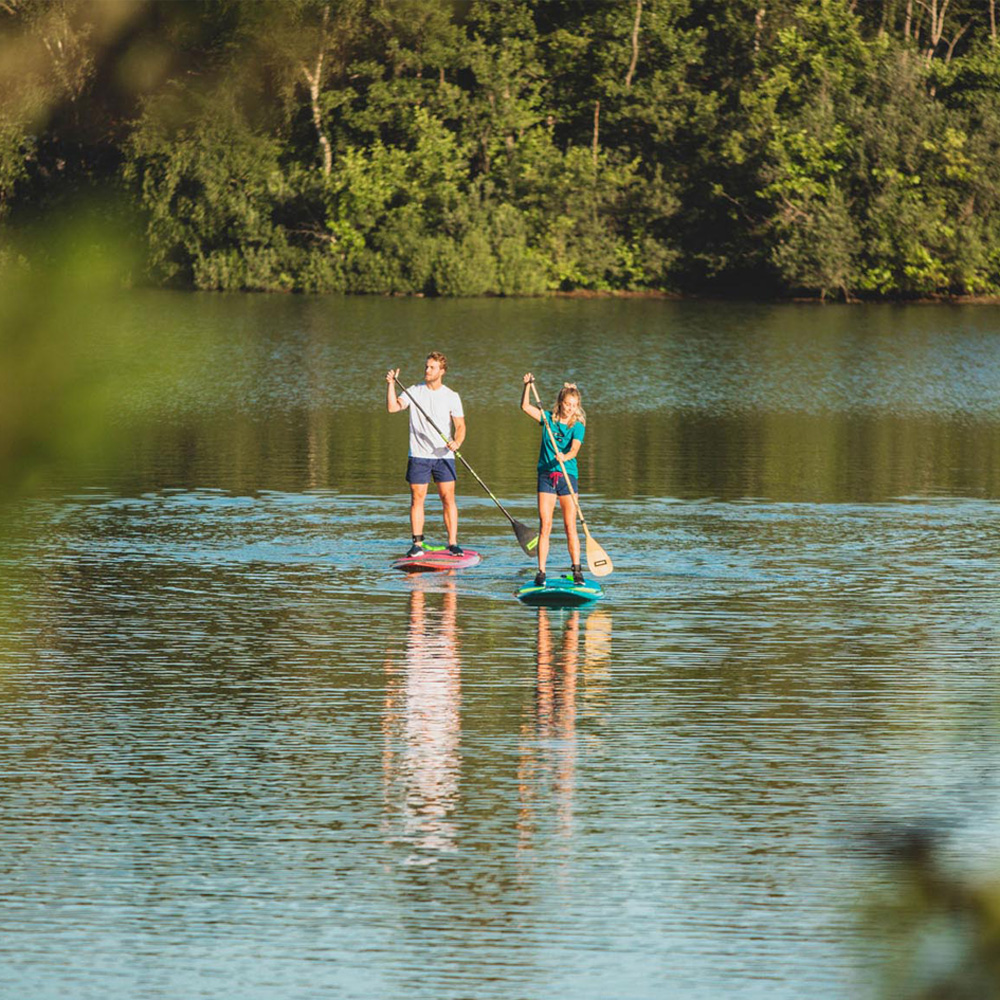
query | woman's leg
(546,508)
(569,520)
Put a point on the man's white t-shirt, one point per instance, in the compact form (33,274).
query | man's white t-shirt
(440,405)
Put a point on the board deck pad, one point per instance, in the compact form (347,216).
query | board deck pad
(560,591)
(435,559)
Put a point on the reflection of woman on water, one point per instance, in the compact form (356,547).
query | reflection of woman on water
(554,720)
(422,726)
(549,733)
(555,689)
(566,421)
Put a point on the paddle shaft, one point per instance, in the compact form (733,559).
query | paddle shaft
(458,454)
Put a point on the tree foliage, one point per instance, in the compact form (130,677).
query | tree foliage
(823,147)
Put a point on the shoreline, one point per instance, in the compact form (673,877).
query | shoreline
(589,293)
(924,300)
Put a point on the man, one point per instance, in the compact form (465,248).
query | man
(430,457)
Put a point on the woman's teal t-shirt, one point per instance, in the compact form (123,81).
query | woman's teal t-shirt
(565,436)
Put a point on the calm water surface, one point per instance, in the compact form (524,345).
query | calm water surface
(241,757)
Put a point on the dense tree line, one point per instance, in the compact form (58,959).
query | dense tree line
(835,147)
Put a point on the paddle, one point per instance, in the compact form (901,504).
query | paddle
(526,538)
(598,560)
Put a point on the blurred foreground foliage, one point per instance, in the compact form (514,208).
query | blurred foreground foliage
(469,147)
(67,360)
(942,922)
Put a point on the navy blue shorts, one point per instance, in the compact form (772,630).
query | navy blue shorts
(423,470)
(555,482)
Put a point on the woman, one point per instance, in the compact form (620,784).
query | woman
(566,421)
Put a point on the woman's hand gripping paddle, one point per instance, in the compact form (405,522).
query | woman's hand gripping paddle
(526,538)
(598,561)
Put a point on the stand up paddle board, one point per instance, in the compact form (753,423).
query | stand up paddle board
(436,559)
(560,592)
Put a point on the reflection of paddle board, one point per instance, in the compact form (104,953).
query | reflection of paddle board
(436,559)
(560,591)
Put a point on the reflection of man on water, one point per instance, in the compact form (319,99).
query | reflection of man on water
(422,726)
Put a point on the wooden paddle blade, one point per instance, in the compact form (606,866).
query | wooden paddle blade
(598,561)
(526,537)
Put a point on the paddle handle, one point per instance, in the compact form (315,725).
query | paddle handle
(555,448)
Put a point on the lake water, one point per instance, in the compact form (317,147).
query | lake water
(242,757)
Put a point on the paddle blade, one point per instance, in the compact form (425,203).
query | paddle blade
(598,561)
(526,537)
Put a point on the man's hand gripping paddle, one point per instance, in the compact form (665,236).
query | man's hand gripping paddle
(526,538)
(598,561)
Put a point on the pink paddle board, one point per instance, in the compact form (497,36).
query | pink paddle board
(436,559)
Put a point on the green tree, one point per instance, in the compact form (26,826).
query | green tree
(209,184)
(801,116)
(475,147)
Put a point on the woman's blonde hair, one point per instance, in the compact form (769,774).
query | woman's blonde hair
(570,389)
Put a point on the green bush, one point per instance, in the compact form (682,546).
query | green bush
(466,267)
(321,270)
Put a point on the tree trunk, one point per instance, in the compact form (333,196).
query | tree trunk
(938,12)
(758,27)
(324,142)
(597,126)
(951,45)
(635,45)
(315,78)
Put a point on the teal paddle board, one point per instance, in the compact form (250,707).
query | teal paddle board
(560,592)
